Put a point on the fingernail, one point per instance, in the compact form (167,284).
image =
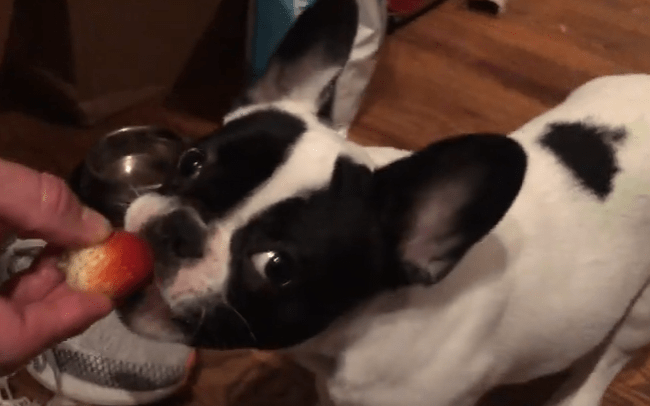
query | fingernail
(98,227)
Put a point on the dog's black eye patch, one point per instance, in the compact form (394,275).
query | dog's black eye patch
(223,168)
(306,260)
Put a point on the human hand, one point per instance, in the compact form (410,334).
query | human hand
(38,309)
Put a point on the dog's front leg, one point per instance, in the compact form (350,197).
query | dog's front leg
(592,374)
(590,377)
(323,393)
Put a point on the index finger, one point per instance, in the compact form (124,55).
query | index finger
(40,205)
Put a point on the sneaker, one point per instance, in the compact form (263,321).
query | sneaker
(107,364)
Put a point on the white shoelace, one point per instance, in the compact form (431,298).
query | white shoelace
(7,398)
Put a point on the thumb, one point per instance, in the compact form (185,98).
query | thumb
(40,205)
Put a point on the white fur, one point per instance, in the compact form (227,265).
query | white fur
(560,282)
(205,277)
(309,167)
(144,208)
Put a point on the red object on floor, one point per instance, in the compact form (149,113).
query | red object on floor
(404,6)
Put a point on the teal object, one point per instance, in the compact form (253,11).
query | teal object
(273,19)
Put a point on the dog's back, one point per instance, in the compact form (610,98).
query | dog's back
(556,284)
(580,228)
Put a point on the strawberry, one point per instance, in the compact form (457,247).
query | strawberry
(117,267)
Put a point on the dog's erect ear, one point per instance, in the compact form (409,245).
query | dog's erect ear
(435,204)
(310,56)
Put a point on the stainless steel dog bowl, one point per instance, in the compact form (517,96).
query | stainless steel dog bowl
(125,164)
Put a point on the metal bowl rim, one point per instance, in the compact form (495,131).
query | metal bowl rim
(166,136)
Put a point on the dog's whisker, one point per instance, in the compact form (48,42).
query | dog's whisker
(201,320)
(135,191)
(243,319)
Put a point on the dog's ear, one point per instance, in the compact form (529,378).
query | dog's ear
(310,57)
(435,204)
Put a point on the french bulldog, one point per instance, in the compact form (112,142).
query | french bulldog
(399,277)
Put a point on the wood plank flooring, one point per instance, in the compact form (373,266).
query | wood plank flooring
(450,72)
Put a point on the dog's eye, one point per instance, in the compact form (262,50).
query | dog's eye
(191,163)
(275,267)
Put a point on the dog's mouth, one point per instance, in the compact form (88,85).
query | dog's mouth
(208,323)
(148,314)
(185,302)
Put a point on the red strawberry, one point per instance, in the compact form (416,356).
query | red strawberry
(116,267)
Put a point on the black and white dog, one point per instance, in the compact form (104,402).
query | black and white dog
(404,278)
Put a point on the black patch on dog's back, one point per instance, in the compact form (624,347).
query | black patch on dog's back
(237,159)
(588,151)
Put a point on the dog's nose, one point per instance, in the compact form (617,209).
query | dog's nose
(178,234)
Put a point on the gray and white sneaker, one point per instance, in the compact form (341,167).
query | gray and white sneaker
(109,365)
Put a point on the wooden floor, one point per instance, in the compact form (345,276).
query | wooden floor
(450,72)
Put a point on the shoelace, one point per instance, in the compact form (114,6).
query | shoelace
(7,398)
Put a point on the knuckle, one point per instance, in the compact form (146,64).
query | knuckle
(55,200)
